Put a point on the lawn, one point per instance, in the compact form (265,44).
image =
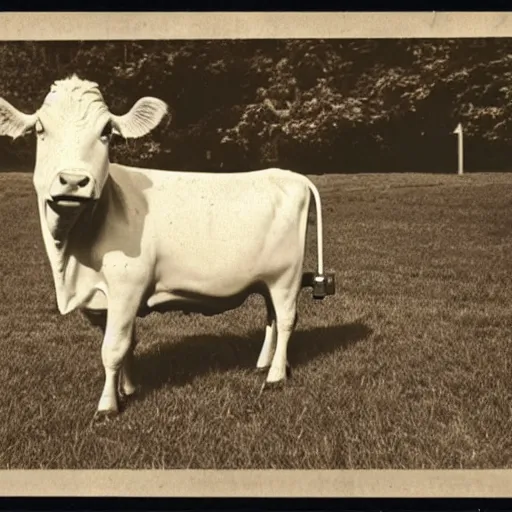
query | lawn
(409,365)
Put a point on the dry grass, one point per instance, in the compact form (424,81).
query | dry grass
(408,366)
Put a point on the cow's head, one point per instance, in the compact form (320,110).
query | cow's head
(74,127)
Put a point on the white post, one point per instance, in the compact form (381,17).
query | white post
(460,151)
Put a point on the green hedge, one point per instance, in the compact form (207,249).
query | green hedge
(313,105)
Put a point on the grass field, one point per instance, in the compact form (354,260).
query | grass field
(409,365)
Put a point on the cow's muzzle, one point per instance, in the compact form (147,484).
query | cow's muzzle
(71,189)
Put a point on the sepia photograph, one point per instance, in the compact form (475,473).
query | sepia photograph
(256,253)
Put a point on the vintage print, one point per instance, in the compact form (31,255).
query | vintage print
(256,253)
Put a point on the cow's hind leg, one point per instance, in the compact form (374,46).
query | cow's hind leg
(284,299)
(269,344)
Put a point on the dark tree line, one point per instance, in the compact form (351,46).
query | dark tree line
(311,105)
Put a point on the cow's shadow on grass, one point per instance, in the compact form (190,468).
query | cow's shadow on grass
(176,364)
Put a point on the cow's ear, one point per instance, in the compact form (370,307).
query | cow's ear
(14,123)
(143,117)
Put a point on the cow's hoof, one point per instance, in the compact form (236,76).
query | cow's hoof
(273,375)
(125,400)
(274,386)
(262,369)
(126,394)
(101,417)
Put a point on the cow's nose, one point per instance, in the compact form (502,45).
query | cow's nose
(74,180)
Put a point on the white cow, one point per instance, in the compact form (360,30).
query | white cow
(127,241)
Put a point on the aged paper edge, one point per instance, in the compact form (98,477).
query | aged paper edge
(258,483)
(250,25)
(25,26)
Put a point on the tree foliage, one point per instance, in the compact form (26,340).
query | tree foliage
(234,104)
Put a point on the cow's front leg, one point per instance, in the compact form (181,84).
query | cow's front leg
(116,344)
(126,382)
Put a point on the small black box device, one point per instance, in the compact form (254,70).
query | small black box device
(322,284)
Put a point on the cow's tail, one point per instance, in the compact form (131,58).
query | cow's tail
(322,284)
(319,225)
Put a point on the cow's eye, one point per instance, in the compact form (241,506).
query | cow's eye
(107,131)
(39,127)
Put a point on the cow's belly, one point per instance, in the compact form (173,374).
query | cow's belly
(217,268)
(189,302)
(190,287)
(221,256)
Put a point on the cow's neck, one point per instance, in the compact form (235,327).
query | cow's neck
(73,277)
